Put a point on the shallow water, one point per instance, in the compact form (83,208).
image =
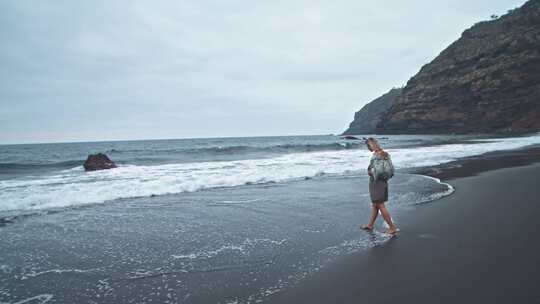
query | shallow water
(227,245)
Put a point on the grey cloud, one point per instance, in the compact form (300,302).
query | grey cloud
(90,70)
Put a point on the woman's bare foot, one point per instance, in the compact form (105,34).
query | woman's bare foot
(393,230)
(366,227)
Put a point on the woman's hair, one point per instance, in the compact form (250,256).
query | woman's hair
(375,144)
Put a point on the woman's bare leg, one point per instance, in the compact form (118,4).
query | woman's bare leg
(387,218)
(374,214)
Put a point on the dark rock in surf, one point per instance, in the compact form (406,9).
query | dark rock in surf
(5,221)
(98,161)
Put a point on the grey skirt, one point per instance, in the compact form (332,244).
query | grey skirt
(378,190)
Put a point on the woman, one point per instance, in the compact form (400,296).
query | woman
(378,188)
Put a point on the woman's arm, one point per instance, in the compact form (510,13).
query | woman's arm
(370,173)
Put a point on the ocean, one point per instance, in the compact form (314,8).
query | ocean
(216,220)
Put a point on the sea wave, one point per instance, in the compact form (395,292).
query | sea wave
(217,150)
(72,187)
(152,156)
(76,187)
(8,168)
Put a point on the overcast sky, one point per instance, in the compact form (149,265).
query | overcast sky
(104,70)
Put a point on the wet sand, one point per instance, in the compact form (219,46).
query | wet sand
(479,244)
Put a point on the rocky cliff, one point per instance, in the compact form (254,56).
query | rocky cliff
(366,120)
(486,81)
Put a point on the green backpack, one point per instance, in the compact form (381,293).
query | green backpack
(383,168)
(387,169)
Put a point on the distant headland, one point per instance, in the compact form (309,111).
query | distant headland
(487,81)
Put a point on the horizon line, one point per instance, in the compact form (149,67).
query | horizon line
(148,139)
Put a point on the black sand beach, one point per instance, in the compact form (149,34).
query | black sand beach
(478,244)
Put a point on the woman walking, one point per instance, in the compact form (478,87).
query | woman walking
(378,186)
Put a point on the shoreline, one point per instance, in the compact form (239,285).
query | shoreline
(476,244)
(477,164)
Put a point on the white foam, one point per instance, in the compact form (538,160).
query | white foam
(435,155)
(34,274)
(449,190)
(242,248)
(42,298)
(75,187)
(210,253)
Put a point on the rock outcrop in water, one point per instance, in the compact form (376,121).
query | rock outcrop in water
(98,161)
(486,81)
(366,120)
